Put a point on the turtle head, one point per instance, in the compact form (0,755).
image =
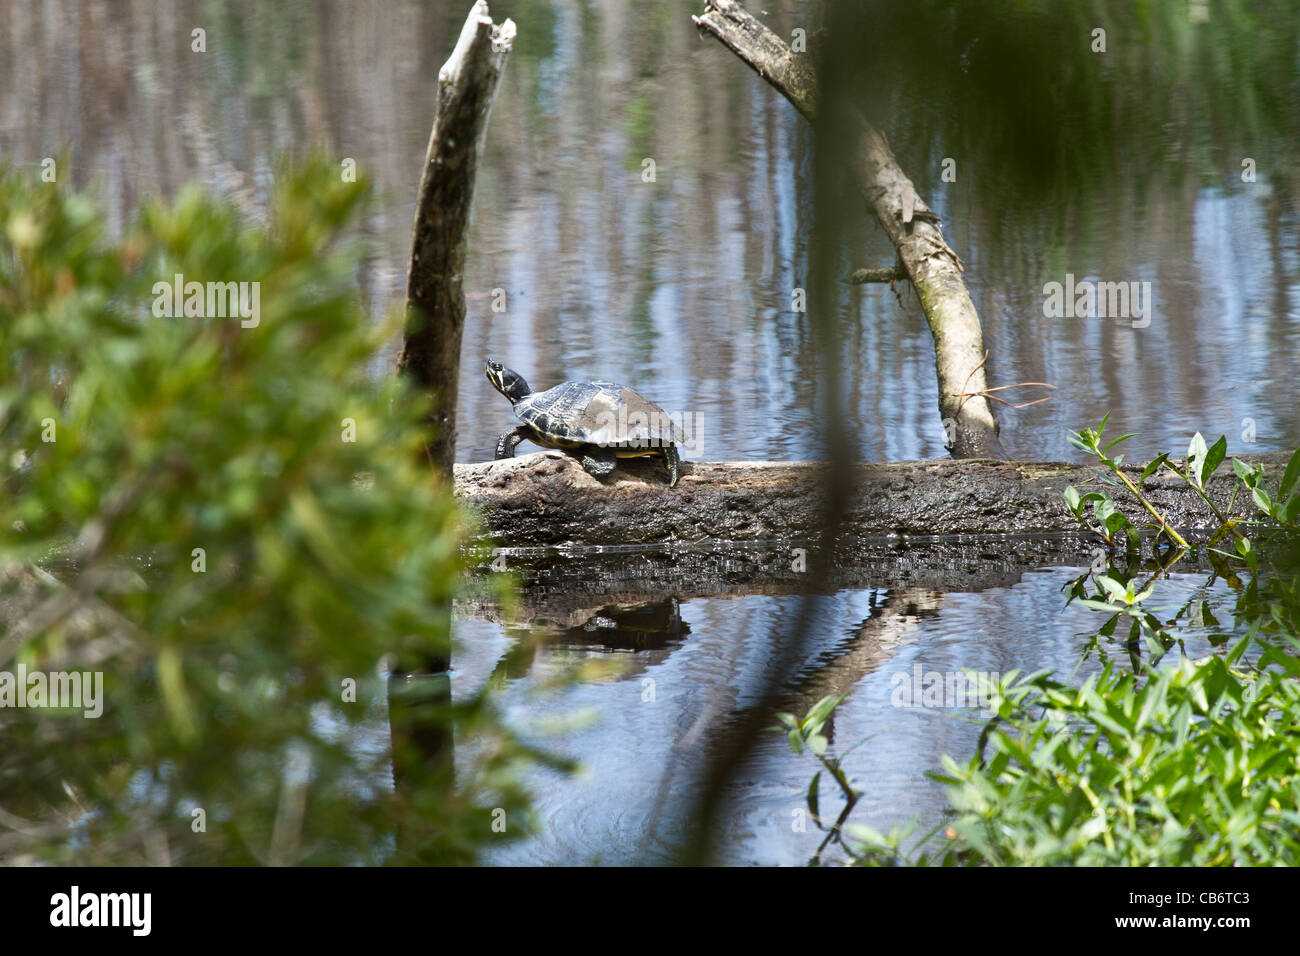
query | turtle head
(507,381)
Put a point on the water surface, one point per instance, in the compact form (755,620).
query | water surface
(683,287)
(641,754)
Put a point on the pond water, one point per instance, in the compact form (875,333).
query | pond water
(683,288)
(643,736)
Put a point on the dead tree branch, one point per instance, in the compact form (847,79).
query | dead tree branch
(435,301)
(913,228)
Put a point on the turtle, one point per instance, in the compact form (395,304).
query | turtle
(596,422)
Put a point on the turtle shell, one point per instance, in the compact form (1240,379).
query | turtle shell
(597,413)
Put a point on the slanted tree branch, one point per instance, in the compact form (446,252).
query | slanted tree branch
(913,228)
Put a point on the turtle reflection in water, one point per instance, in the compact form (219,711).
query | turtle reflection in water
(597,422)
(650,626)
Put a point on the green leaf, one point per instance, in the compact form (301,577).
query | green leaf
(1112,587)
(1249,474)
(1289,476)
(1133,539)
(1262,499)
(820,711)
(868,835)
(171,680)
(1150,469)
(1181,724)
(1214,458)
(1097,606)
(1289,512)
(814,795)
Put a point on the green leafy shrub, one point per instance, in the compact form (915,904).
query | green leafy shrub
(1196,765)
(325,545)
(1191,763)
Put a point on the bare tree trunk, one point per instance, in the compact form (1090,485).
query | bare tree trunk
(419,694)
(435,301)
(913,228)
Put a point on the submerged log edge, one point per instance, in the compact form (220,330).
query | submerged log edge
(547,499)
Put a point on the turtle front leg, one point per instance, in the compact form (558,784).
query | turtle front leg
(671,460)
(597,461)
(506,443)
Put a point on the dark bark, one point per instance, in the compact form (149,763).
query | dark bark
(863,276)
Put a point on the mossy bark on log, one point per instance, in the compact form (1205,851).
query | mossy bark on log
(547,498)
(913,228)
(435,300)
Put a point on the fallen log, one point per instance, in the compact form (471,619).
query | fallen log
(913,228)
(546,498)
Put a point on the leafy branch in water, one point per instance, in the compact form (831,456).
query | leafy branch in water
(1190,763)
(806,734)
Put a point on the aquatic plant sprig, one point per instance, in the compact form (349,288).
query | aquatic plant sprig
(1201,463)
(806,734)
(1090,441)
